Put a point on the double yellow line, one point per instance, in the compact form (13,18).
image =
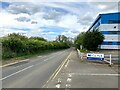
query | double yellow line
(57,70)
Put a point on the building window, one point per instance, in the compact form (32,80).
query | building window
(114,26)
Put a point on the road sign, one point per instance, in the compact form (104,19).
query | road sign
(92,56)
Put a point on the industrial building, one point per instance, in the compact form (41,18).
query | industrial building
(109,25)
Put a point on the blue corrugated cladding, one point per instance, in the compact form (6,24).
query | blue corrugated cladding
(111,32)
(106,17)
(112,43)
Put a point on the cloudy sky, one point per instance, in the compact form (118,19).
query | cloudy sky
(49,19)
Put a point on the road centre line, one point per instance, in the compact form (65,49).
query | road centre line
(27,67)
(16,72)
(47,59)
(24,69)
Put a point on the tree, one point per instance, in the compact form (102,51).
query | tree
(17,36)
(92,39)
(79,40)
(38,38)
(15,44)
(62,38)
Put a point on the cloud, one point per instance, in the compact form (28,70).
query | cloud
(69,21)
(104,6)
(17,8)
(52,18)
(23,19)
(86,19)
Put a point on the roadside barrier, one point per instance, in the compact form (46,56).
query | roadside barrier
(107,57)
(80,54)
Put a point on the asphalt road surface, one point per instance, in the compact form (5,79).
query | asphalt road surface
(85,74)
(33,73)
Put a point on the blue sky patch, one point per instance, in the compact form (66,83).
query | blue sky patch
(4,5)
(53,29)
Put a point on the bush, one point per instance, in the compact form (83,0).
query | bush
(17,45)
(8,55)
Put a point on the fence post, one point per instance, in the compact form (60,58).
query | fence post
(110,60)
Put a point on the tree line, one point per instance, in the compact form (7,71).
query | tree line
(89,40)
(15,45)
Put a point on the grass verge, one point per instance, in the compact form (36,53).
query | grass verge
(22,57)
(84,51)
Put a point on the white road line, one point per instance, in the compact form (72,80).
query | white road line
(96,74)
(61,66)
(16,72)
(69,80)
(24,68)
(68,85)
(57,70)
(57,86)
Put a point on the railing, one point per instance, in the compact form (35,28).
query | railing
(108,58)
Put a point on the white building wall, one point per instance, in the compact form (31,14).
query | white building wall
(111,37)
(110,46)
(109,27)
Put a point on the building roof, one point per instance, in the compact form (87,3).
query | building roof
(99,16)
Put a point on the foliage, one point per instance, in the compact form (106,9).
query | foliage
(92,40)
(38,38)
(89,40)
(79,40)
(17,45)
(84,51)
(62,38)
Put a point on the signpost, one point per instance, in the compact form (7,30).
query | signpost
(92,56)
(95,57)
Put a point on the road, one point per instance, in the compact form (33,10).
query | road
(33,73)
(85,74)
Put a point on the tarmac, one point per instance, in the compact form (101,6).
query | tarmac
(85,74)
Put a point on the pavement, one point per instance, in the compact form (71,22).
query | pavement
(84,74)
(32,73)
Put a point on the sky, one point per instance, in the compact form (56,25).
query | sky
(50,19)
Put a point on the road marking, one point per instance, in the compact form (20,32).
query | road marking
(56,71)
(19,66)
(59,80)
(69,75)
(95,74)
(69,80)
(67,63)
(68,85)
(16,72)
(61,66)
(46,59)
(57,86)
